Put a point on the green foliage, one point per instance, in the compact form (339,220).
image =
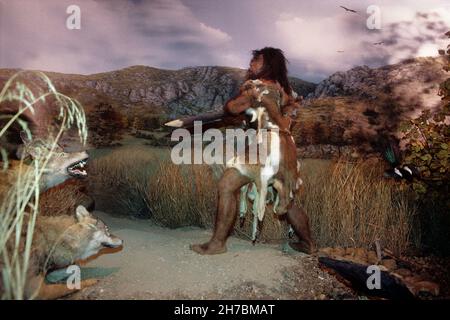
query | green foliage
(428,143)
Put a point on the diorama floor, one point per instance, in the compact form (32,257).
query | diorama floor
(156,263)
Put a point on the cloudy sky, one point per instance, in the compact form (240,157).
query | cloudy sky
(318,36)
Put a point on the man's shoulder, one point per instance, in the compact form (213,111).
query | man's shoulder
(248,84)
(255,82)
(258,85)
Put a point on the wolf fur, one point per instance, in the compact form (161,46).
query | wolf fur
(278,171)
(60,167)
(59,242)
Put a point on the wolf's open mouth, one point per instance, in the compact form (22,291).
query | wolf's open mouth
(78,169)
(113,244)
(109,245)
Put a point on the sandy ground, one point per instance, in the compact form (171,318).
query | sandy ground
(156,263)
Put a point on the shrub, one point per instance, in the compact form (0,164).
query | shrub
(428,144)
(106,125)
(428,150)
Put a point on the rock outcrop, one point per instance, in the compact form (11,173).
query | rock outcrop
(352,113)
(413,81)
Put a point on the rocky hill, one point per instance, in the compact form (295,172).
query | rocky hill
(412,81)
(141,98)
(174,92)
(352,113)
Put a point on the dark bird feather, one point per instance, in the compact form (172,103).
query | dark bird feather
(390,286)
(349,10)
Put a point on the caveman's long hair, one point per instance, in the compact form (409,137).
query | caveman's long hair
(274,67)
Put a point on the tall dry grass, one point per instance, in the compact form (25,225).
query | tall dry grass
(141,181)
(118,177)
(62,199)
(349,204)
(182,195)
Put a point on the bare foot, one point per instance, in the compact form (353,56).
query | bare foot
(303,246)
(209,248)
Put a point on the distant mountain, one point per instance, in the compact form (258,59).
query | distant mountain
(140,98)
(174,92)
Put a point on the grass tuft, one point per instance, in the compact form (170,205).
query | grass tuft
(19,206)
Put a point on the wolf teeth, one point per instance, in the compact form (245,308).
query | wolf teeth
(81,164)
(82,172)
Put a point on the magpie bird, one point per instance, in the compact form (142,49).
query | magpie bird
(397,170)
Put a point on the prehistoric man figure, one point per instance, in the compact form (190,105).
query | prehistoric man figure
(267,88)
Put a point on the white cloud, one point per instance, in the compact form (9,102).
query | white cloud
(323,45)
(318,42)
(215,33)
(113,34)
(178,33)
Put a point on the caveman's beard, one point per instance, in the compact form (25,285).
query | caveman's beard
(250,75)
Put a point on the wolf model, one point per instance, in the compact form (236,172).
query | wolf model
(59,242)
(60,167)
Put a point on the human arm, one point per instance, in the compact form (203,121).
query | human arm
(291,105)
(241,102)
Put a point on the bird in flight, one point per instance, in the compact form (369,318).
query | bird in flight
(378,43)
(349,10)
(340,51)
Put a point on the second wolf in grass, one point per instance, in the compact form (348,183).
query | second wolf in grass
(60,242)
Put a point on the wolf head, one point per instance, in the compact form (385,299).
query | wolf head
(61,165)
(93,235)
(63,240)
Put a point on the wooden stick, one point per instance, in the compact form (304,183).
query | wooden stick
(379,251)
(189,121)
(410,264)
